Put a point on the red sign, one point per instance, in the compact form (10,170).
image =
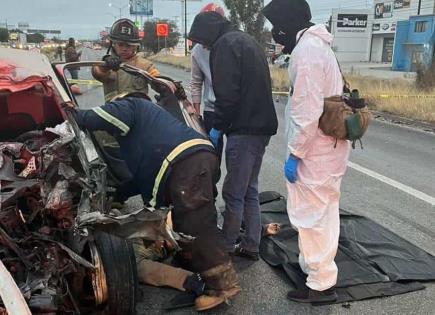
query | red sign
(162,29)
(141,34)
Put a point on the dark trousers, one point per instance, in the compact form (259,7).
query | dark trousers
(244,156)
(190,188)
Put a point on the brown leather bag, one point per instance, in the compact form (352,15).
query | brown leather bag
(335,112)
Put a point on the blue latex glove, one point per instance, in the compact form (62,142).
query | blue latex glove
(214,136)
(290,168)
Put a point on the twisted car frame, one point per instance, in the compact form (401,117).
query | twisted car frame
(63,250)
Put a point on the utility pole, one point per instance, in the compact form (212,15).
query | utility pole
(185,28)
(184,21)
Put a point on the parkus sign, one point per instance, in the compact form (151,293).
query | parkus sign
(352,20)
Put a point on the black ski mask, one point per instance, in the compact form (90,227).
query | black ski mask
(288,17)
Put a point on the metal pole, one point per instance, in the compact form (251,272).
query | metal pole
(419,7)
(185,27)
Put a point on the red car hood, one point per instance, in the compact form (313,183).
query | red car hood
(22,70)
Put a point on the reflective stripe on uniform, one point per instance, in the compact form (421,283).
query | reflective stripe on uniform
(112,120)
(154,72)
(177,151)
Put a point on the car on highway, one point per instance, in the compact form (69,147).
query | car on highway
(56,188)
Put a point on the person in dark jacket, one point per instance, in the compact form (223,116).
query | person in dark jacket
(71,55)
(172,165)
(245,112)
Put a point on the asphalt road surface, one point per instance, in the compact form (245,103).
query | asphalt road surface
(391,181)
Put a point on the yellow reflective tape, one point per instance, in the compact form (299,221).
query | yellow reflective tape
(177,151)
(154,72)
(371,96)
(85,82)
(112,120)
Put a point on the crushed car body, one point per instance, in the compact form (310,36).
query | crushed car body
(55,203)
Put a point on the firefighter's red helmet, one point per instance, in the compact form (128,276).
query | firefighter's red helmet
(212,7)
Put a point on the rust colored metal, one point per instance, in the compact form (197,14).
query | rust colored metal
(98,276)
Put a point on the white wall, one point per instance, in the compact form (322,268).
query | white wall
(377,47)
(352,43)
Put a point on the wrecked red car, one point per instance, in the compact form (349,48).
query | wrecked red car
(56,187)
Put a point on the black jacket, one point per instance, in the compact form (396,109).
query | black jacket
(240,75)
(147,135)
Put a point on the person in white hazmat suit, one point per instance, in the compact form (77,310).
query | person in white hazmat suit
(315,162)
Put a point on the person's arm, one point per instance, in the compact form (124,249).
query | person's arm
(102,74)
(226,77)
(116,118)
(306,103)
(152,70)
(196,82)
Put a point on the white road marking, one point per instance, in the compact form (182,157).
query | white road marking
(409,190)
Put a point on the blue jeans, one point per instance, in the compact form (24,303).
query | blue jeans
(244,155)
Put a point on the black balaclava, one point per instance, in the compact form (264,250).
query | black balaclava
(288,17)
(207,28)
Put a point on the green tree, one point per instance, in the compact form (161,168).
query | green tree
(246,14)
(4,35)
(150,40)
(35,38)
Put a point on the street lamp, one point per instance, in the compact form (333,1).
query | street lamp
(119,8)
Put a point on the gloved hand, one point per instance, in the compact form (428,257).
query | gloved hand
(112,62)
(290,168)
(214,136)
(180,93)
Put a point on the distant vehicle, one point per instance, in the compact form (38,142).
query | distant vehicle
(97,47)
(282,61)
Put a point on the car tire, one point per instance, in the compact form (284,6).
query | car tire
(119,264)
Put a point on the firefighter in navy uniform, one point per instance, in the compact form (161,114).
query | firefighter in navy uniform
(124,45)
(172,164)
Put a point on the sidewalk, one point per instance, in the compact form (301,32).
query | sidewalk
(377,70)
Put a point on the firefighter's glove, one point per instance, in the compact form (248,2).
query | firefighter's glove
(215,136)
(290,168)
(112,62)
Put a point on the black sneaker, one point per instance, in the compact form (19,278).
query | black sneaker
(308,295)
(239,251)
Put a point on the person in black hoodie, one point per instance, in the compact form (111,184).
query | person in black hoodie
(245,113)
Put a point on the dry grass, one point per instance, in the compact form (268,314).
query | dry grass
(179,62)
(280,81)
(396,96)
(400,97)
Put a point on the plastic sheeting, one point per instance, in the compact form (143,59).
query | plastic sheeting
(372,261)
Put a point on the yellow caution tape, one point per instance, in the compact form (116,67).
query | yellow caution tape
(371,96)
(85,82)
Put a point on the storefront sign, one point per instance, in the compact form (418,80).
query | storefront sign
(352,20)
(383,10)
(401,4)
(376,27)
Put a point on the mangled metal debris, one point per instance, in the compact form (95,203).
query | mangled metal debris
(53,192)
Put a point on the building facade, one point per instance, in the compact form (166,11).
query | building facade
(352,30)
(414,43)
(386,16)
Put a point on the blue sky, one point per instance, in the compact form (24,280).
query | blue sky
(85,18)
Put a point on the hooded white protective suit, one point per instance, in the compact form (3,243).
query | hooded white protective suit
(313,201)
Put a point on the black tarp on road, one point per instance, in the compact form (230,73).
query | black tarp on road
(372,261)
